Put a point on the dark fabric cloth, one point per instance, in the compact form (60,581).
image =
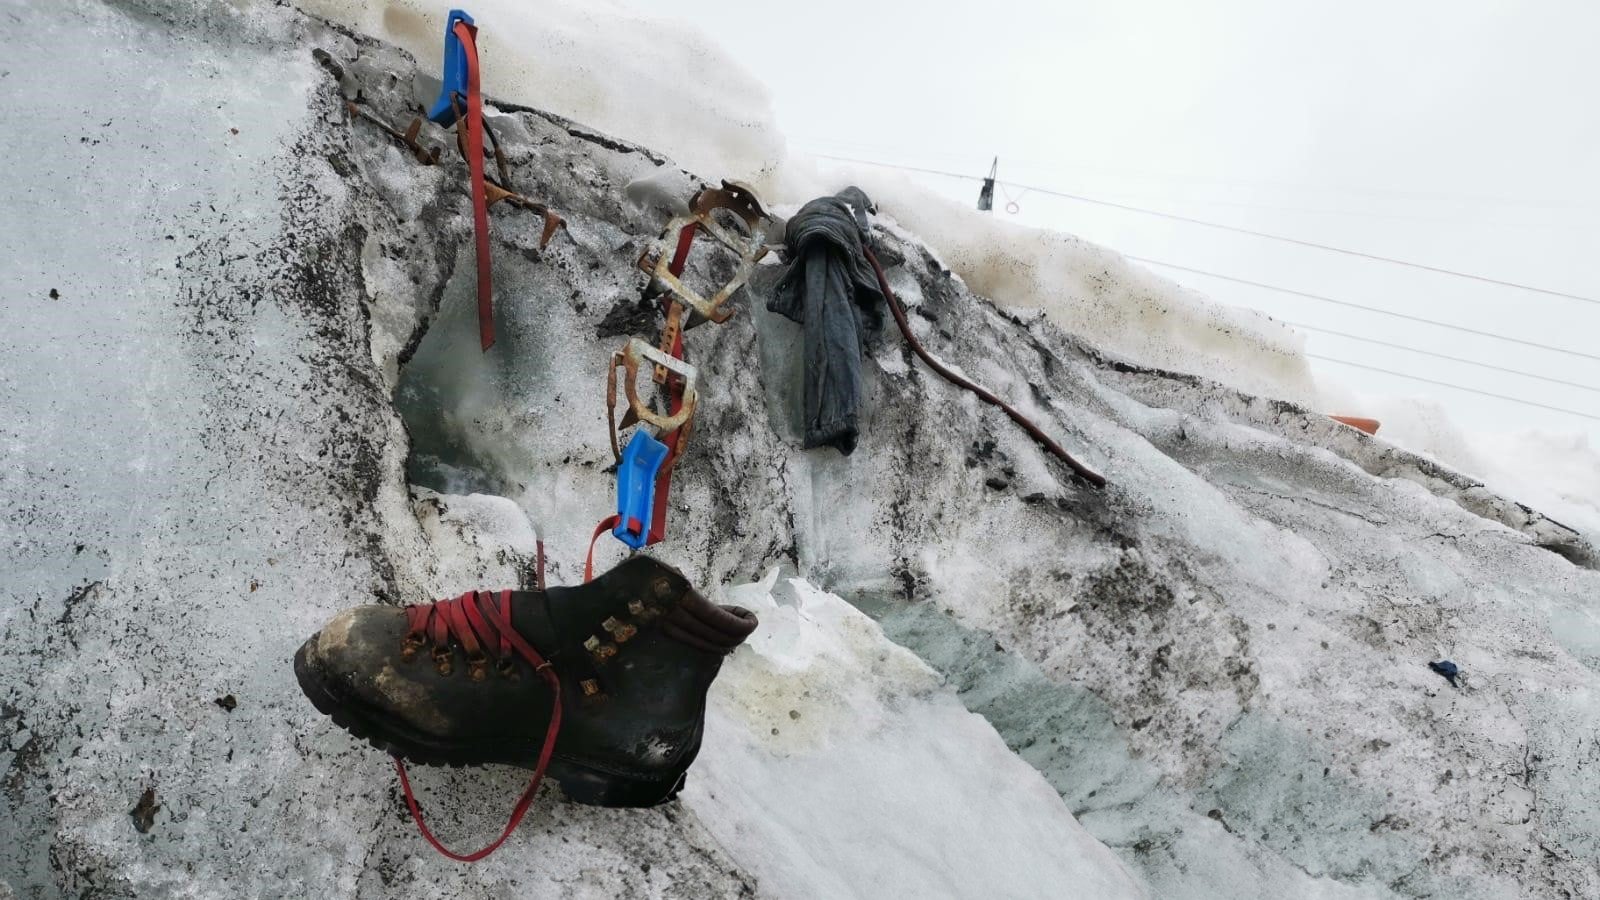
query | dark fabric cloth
(832,291)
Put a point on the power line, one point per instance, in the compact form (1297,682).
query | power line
(1234,228)
(1272,287)
(1412,349)
(1056,165)
(1345,251)
(1356,365)
(1459,359)
(1371,309)
(870,162)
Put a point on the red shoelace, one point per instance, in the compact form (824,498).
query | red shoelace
(480,621)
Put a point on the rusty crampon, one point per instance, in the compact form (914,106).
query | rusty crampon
(428,156)
(628,360)
(497,190)
(664,261)
(643,486)
(737,199)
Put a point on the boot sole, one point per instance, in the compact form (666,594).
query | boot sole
(582,784)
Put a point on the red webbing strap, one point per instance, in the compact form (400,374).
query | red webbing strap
(499,614)
(480,198)
(503,609)
(680,257)
(521,809)
(459,623)
(606,524)
(658,510)
(658,513)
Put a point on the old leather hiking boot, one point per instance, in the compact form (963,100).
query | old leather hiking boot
(469,681)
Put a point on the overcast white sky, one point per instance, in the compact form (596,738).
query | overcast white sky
(1459,135)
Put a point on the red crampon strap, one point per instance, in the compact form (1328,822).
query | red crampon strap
(658,514)
(606,524)
(658,511)
(480,198)
(482,628)
(680,256)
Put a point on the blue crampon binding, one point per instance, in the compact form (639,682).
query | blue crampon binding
(636,488)
(455,71)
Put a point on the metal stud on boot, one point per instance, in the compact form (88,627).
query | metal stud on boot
(604,683)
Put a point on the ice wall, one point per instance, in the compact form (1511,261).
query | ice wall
(215,272)
(665,84)
(1214,662)
(1217,663)
(1558,474)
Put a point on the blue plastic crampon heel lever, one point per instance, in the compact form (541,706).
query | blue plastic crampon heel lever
(636,488)
(455,71)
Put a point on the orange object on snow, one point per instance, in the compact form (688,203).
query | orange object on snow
(1370,426)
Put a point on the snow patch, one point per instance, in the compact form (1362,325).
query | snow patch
(659,82)
(1557,474)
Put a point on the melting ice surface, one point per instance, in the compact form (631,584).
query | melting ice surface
(599,63)
(880,780)
(842,762)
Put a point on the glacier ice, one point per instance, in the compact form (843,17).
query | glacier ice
(1210,677)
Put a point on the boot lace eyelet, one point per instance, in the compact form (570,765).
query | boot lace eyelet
(409,645)
(442,661)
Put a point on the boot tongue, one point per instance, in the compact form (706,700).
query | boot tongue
(559,640)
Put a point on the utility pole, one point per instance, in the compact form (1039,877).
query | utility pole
(986,193)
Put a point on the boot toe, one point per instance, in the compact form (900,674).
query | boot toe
(357,662)
(354,637)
